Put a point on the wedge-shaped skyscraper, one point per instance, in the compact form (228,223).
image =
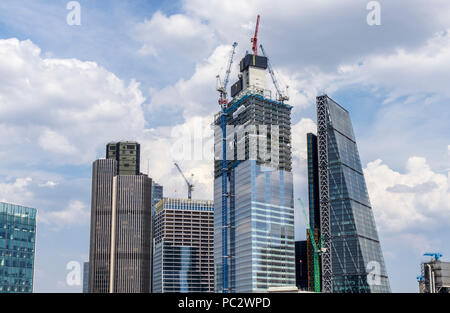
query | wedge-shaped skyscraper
(353,261)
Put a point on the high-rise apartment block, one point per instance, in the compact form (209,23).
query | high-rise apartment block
(254,216)
(183,259)
(17,248)
(352,260)
(121,229)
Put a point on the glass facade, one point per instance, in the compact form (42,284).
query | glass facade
(17,248)
(261,238)
(183,258)
(356,250)
(177,270)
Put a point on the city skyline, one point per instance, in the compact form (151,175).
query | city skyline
(129,73)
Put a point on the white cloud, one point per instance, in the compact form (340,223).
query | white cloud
(197,95)
(16,192)
(299,141)
(413,72)
(191,145)
(50,184)
(179,34)
(76,213)
(53,142)
(417,199)
(52,109)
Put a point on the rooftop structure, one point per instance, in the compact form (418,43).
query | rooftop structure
(127,155)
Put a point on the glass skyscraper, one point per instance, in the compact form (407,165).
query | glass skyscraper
(346,214)
(256,237)
(17,248)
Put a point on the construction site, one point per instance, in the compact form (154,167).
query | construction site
(435,275)
(253,148)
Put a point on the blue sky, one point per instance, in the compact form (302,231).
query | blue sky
(145,70)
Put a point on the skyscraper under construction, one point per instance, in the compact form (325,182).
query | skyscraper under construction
(253,187)
(340,210)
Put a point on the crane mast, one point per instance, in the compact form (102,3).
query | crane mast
(223,101)
(281,96)
(188,183)
(222,88)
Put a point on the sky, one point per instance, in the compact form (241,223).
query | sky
(146,70)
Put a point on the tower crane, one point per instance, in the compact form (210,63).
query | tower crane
(222,88)
(317,249)
(435,255)
(281,96)
(254,40)
(188,183)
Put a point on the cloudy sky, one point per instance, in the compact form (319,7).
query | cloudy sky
(145,70)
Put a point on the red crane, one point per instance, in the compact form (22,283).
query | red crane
(255,39)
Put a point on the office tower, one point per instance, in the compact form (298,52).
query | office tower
(183,256)
(301,265)
(127,155)
(86,277)
(121,232)
(17,248)
(253,189)
(353,260)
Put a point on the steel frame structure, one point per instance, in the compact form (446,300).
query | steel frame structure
(324,193)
